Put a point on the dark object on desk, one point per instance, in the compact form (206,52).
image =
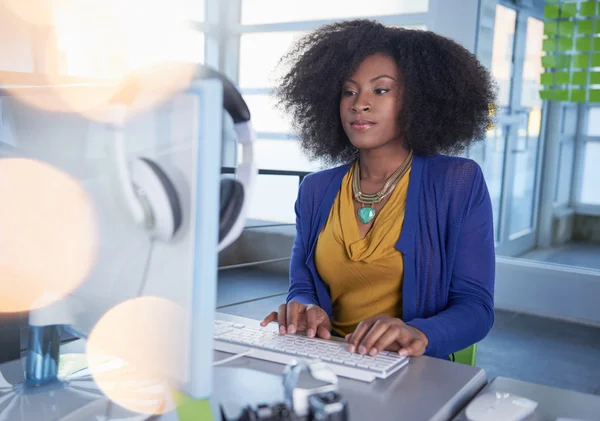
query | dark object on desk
(262,412)
(328,406)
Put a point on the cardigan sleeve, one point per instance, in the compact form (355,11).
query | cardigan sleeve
(302,285)
(469,314)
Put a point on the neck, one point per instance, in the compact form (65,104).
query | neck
(379,164)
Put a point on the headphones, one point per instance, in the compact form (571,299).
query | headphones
(152,197)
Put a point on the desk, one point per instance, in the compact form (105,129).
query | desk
(427,389)
(552,402)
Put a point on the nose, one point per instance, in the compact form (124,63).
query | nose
(360,108)
(361,104)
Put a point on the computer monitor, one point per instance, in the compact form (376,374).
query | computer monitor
(171,271)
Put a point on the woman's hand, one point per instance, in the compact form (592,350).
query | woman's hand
(295,317)
(384,332)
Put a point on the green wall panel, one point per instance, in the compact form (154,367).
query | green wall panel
(572,51)
(568,10)
(579,78)
(551,11)
(594,95)
(566,27)
(595,78)
(586,27)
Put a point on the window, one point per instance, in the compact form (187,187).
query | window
(532,66)
(265,116)
(569,120)
(593,125)
(259,55)
(590,193)
(565,173)
(502,56)
(192,10)
(278,154)
(101,40)
(275,11)
(273,199)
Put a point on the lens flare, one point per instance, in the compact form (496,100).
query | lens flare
(101,49)
(34,12)
(146,337)
(47,234)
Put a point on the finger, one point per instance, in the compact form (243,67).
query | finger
(386,340)
(293,308)
(348,337)
(394,347)
(323,332)
(315,317)
(271,317)
(414,349)
(358,334)
(405,338)
(376,331)
(281,318)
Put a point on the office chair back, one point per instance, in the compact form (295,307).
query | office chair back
(467,356)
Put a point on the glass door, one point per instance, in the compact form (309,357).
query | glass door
(509,155)
(523,189)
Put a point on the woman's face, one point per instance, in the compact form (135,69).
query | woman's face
(370,103)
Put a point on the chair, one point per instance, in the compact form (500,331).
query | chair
(467,356)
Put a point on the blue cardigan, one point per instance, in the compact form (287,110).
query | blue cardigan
(447,241)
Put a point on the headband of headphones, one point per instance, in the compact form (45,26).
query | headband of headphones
(233,214)
(159,202)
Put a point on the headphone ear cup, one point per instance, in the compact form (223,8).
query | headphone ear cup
(161,195)
(231,201)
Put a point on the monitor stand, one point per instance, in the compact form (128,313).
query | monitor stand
(57,386)
(52,386)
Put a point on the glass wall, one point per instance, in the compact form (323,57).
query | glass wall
(267,30)
(510,155)
(490,154)
(509,42)
(589,194)
(528,136)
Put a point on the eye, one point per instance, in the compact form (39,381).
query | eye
(381,91)
(348,93)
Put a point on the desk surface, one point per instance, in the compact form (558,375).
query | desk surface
(427,389)
(553,403)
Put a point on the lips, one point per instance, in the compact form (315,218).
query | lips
(362,124)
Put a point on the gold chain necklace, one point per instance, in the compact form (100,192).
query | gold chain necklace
(366,213)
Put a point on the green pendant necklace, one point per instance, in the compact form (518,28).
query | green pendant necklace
(367,211)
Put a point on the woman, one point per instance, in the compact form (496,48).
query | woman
(394,248)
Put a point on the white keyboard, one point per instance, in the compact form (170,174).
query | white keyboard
(270,346)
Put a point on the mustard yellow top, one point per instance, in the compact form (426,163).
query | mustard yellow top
(364,276)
